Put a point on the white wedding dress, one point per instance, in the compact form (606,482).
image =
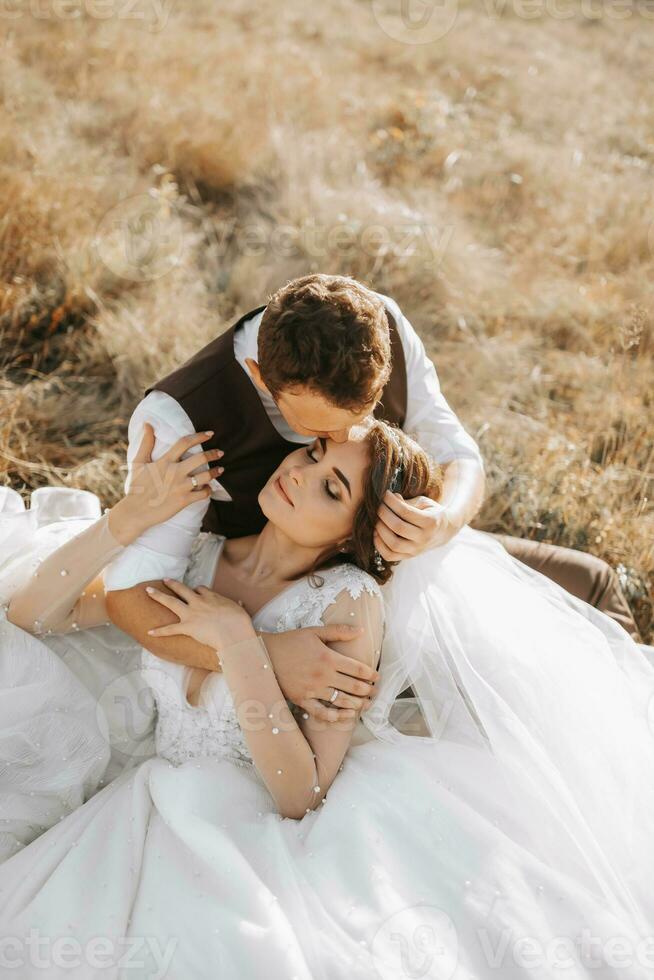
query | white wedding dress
(517,843)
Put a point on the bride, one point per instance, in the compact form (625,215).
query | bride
(497,820)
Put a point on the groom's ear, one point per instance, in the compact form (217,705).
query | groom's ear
(253,368)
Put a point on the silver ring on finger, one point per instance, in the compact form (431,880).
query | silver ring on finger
(334,695)
(194,481)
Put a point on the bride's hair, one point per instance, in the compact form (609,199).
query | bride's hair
(399,464)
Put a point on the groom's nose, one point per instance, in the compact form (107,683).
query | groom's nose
(342,435)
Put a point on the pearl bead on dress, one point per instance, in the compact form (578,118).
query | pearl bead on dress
(64,571)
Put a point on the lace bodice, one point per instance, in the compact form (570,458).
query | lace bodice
(212,728)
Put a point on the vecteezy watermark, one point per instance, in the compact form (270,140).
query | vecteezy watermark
(565,952)
(348,241)
(416,21)
(139,953)
(426,21)
(417,943)
(152,14)
(141,238)
(125,711)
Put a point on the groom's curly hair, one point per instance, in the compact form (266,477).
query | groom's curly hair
(329,334)
(399,464)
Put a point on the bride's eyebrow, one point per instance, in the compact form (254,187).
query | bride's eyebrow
(342,477)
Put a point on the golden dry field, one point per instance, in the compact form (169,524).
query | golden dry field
(164,167)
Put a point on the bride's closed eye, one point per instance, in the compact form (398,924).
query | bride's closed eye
(310,451)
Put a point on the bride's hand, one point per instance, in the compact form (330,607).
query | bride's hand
(158,490)
(204,615)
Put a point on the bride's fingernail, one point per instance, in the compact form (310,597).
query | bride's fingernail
(149,588)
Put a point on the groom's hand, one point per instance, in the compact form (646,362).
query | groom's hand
(307,671)
(408,527)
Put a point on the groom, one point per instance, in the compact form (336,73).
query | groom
(322,354)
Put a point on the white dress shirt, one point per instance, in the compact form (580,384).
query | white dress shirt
(163,550)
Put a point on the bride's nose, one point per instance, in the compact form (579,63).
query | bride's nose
(296,474)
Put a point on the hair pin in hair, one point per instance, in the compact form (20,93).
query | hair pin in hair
(398,473)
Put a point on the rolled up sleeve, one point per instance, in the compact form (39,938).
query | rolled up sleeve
(429,418)
(163,551)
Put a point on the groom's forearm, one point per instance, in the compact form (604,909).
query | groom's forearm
(464,485)
(133,611)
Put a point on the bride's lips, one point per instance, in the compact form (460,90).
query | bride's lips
(281,491)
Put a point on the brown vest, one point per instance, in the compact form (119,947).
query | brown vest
(216,393)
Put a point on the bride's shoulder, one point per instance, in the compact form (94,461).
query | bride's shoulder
(306,604)
(350,578)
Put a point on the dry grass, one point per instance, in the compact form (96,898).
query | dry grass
(497,182)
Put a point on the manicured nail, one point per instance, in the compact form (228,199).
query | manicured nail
(149,588)
(209,433)
(150,632)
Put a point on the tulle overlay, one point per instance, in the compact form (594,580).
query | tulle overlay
(75,710)
(498,824)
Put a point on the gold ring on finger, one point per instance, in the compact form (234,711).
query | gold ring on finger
(194,481)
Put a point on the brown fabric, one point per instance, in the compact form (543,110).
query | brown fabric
(216,393)
(583,575)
